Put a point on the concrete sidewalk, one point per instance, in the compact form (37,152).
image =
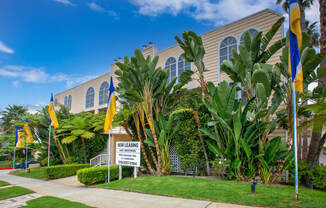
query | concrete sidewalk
(107,198)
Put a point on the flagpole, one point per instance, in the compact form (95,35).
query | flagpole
(49,144)
(109,155)
(295,140)
(26,156)
(14,165)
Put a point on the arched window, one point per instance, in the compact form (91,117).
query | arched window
(171,64)
(253,32)
(103,91)
(90,97)
(69,101)
(55,101)
(65,103)
(183,65)
(226,48)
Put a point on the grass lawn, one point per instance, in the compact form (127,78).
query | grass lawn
(53,202)
(5,164)
(221,191)
(13,191)
(4,183)
(37,173)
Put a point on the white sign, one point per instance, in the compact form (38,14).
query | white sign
(128,154)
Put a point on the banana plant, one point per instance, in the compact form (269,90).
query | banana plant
(242,134)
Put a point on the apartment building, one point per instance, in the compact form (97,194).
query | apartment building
(218,43)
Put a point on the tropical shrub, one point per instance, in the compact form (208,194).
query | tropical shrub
(62,171)
(95,175)
(242,134)
(319,177)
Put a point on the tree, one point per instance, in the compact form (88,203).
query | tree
(11,115)
(146,90)
(82,126)
(303,4)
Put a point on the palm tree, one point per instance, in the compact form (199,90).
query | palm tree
(81,127)
(10,116)
(313,33)
(303,4)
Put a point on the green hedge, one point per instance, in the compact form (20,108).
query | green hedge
(97,175)
(319,177)
(61,171)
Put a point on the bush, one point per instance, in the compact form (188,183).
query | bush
(319,177)
(61,171)
(53,161)
(95,175)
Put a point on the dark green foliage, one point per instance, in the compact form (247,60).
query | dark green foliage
(96,175)
(61,171)
(319,177)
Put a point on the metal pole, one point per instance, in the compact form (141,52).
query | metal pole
(109,156)
(49,144)
(120,172)
(295,140)
(135,172)
(26,156)
(14,164)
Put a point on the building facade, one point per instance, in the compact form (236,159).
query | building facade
(218,44)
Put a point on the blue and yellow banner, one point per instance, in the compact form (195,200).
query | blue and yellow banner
(53,118)
(111,108)
(29,137)
(295,37)
(18,143)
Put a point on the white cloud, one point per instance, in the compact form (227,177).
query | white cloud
(220,12)
(5,49)
(38,75)
(65,2)
(98,8)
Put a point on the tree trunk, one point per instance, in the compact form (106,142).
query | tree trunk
(146,137)
(299,147)
(314,146)
(125,126)
(322,11)
(149,167)
(84,149)
(302,16)
(304,146)
(59,148)
(202,142)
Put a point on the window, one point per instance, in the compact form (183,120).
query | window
(183,65)
(171,64)
(104,89)
(65,103)
(69,101)
(226,48)
(90,97)
(252,32)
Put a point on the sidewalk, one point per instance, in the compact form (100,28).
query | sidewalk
(107,198)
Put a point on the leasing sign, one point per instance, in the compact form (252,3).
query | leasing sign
(128,153)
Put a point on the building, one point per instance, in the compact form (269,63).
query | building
(218,43)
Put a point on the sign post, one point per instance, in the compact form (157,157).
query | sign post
(128,154)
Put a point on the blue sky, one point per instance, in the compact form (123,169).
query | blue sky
(51,45)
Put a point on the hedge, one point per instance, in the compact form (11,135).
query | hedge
(61,171)
(95,175)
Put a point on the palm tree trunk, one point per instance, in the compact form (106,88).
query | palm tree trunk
(149,167)
(304,146)
(302,16)
(84,149)
(59,148)
(202,142)
(149,147)
(125,126)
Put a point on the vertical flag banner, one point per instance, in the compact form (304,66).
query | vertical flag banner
(18,142)
(53,118)
(295,68)
(29,137)
(111,108)
(295,37)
